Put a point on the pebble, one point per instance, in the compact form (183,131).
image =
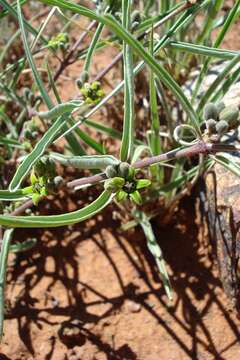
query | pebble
(132,306)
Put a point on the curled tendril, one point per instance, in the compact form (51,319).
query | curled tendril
(178,133)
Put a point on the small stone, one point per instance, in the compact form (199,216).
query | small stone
(133,307)
(71,334)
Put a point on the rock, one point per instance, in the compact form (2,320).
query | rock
(132,306)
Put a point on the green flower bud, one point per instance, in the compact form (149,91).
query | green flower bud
(100,93)
(111,171)
(220,106)
(27,146)
(57,41)
(121,195)
(222,127)
(27,190)
(211,126)
(230,114)
(42,181)
(79,83)
(114,185)
(36,198)
(123,169)
(210,111)
(33,178)
(136,197)
(131,174)
(142,183)
(96,85)
(43,191)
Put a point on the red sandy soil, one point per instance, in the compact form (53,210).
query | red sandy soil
(93,292)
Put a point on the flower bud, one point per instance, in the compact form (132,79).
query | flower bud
(220,106)
(230,114)
(124,169)
(111,171)
(211,126)
(210,111)
(114,185)
(222,127)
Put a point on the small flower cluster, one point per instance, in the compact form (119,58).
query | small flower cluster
(122,181)
(92,93)
(220,119)
(59,42)
(43,180)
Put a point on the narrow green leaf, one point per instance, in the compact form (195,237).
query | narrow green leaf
(228,162)
(3,268)
(6,195)
(39,149)
(85,162)
(155,250)
(10,142)
(231,79)
(74,144)
(46,221)
(223,54)
(126,150)
(155,140)
(212,12)
(139,150)
(104,129)
(136,197)
(143,183)
(30,58)
(92,47)
(98,147)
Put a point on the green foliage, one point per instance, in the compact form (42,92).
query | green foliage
(160,51)
(123,182)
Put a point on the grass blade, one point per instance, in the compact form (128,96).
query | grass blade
(155,140)
(222,54)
